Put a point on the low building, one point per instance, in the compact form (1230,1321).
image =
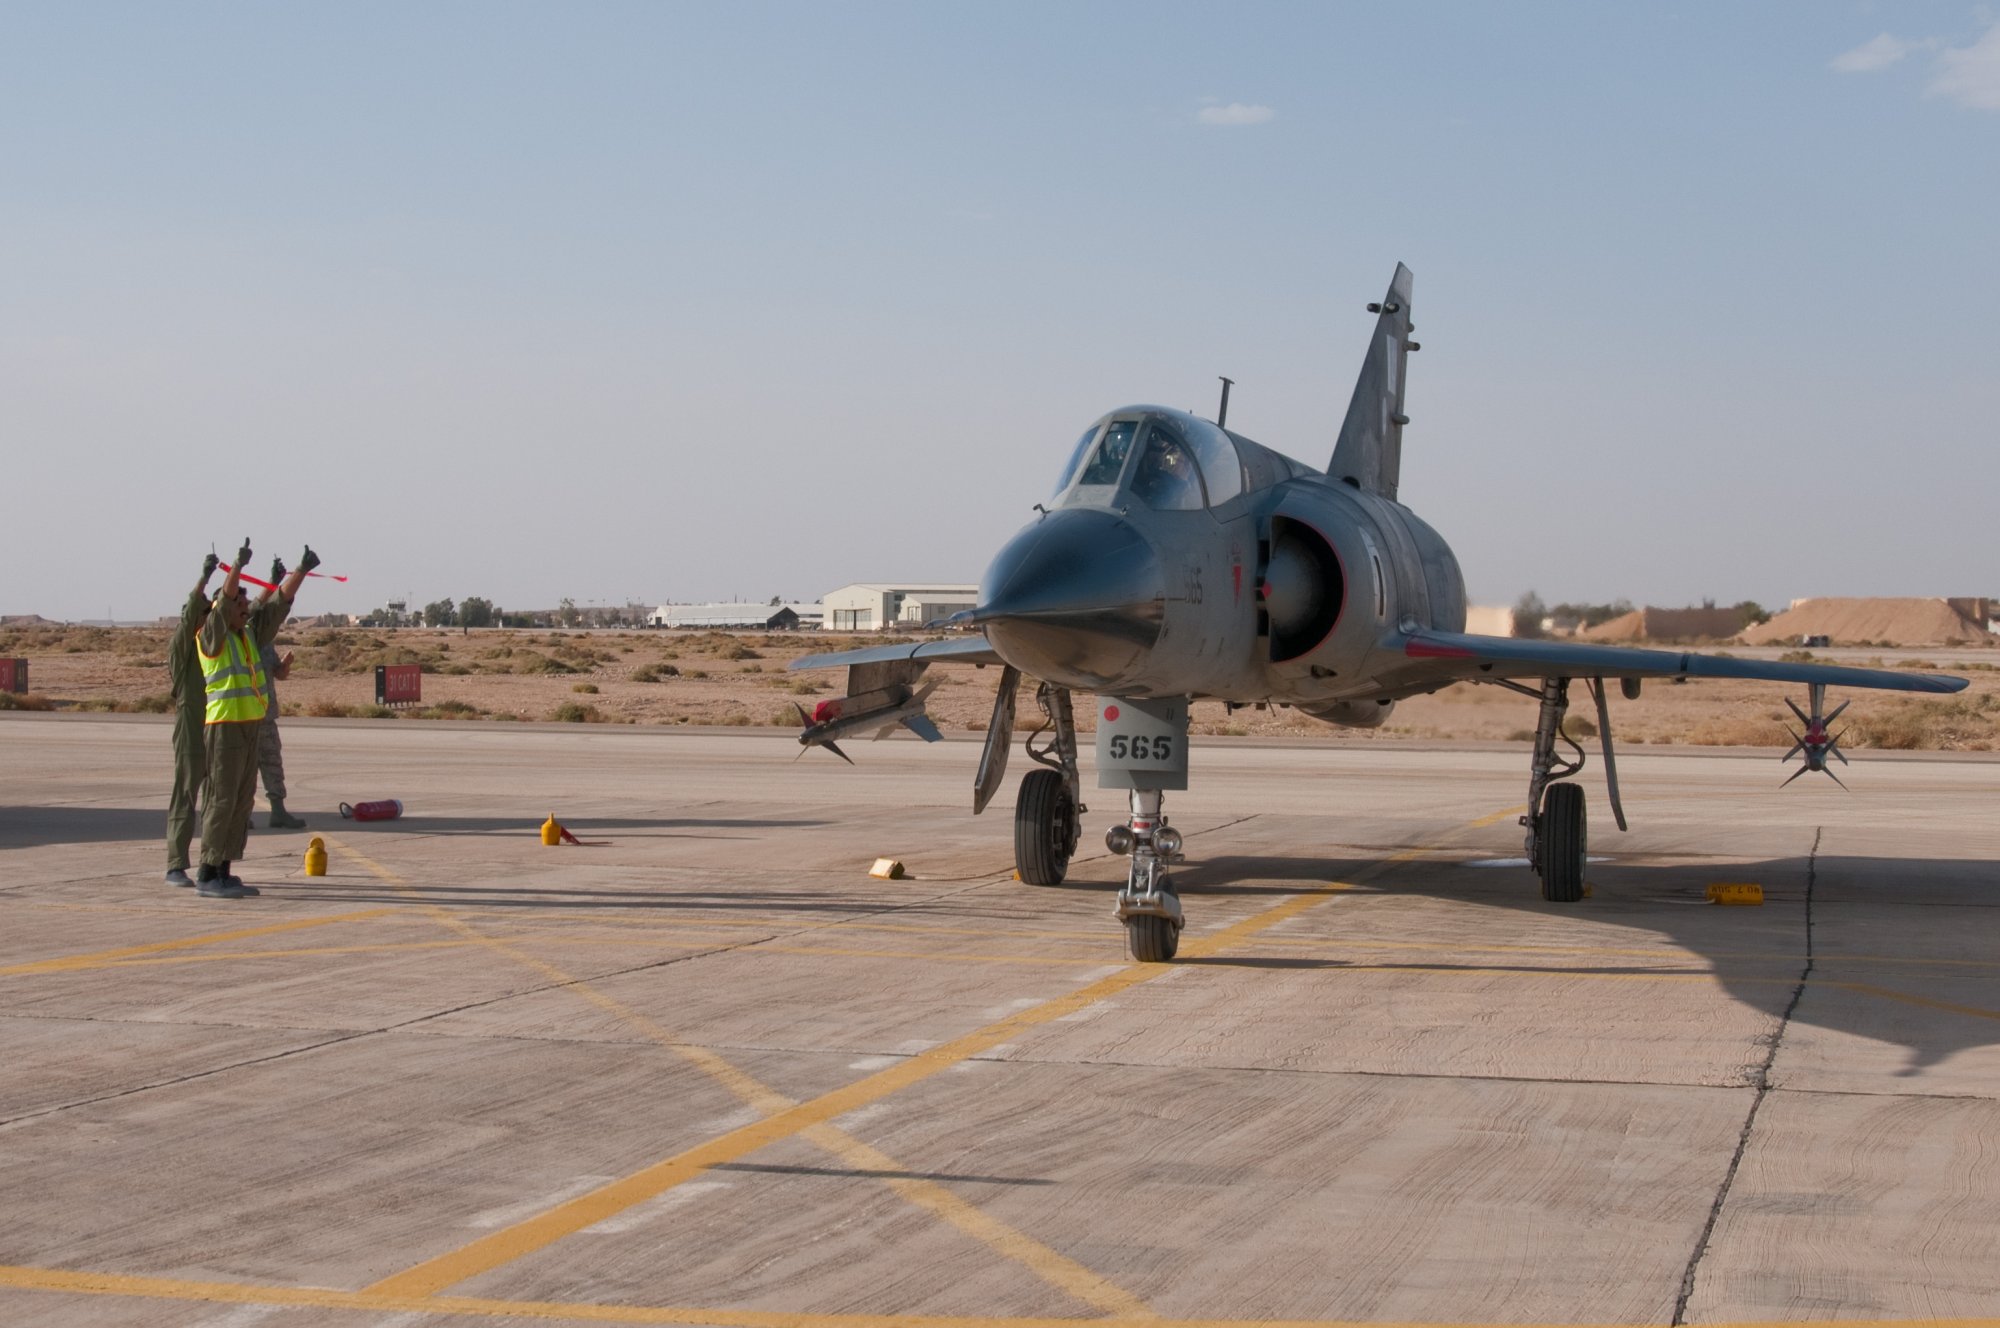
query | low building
(737,617)
(874,607)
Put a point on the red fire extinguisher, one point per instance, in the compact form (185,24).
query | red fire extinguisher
(388,809)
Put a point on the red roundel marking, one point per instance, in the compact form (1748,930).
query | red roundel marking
(1111,714)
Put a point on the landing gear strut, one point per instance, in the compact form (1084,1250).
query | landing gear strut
(1557,837)
(1148,905)
(1048,810)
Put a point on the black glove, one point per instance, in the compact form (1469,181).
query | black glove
(243,556)
(208,566)
(277,570)
(308,560)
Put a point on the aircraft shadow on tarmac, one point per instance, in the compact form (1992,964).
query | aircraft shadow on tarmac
(1885,962)
(34,827)
(670,827)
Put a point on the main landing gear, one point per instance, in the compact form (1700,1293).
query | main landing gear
(1049,808)
(1558,836)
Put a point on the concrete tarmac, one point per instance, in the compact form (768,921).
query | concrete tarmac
(704,1070)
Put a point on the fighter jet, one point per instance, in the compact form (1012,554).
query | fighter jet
(1178,560)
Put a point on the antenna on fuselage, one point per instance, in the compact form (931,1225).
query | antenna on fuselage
(1222,411)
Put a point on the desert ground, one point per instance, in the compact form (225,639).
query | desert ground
(739,680)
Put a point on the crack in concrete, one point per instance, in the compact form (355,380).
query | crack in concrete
(1762,1086)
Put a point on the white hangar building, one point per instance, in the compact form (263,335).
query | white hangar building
(875,607)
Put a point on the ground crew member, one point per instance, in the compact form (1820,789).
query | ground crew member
(190,757)
(230,648)
(270,749)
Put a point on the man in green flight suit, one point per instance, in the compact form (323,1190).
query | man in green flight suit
(229,650)
(190,756)
(270,747)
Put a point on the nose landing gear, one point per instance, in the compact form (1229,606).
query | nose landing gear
(1148,905)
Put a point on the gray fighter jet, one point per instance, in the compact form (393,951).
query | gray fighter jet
(1178,560)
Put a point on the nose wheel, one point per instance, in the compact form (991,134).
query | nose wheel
(1148,905)
(1151,940)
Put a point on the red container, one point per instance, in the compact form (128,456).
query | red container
(386,810)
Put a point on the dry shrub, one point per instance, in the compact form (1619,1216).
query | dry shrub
(527,661)
(585,688)
(737,650)
(572,712)
(1739,731)
(1964,723)
(336,710)
(654,673)
(25,701)
(450,710)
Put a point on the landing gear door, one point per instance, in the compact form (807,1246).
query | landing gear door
(1142,744)
(999,739)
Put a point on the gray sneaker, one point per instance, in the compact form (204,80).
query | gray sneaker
(179,876)
(235,882)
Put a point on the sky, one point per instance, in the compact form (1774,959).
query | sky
(650,301)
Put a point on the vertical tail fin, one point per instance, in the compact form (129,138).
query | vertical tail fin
(1369,454)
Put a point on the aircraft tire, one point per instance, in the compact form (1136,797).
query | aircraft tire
(1044,828)
(1564,843)
(1151,940)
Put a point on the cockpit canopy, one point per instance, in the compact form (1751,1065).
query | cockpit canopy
(1167,459)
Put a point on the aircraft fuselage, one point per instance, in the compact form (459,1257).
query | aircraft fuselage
(1282,590)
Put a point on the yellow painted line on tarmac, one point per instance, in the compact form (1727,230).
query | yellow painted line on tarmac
(1097,960)
(1506,814)
(65,1282)
(105,958)
(544,1229)
(536,1233)
(1050,1265)
(309,951)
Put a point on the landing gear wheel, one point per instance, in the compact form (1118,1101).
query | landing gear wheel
(1563,844)
(1151,940)
(1044,828)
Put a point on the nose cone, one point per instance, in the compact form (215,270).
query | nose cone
(1077,598)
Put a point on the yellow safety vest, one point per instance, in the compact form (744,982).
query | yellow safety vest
(234,681)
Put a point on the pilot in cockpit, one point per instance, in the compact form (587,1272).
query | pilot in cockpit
(1165,477)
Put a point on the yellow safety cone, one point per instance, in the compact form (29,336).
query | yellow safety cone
(551,831)
(316,857)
